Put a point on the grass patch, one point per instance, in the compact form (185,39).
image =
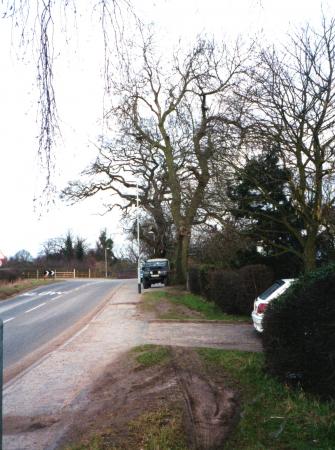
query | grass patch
(143,348)
(163,430)
(273,416)
(208,310)
(96,443)
(151,355)
(10,289)
(157,430)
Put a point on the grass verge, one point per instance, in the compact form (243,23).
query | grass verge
(273,416)
(151,355)
(207,310)
(9,289)
(156,430)
(163,430)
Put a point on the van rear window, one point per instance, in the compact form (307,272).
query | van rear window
(276,285)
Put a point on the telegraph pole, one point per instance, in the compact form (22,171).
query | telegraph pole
(138,242)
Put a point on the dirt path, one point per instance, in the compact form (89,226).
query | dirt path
(39,403)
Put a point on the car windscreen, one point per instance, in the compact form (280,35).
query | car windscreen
(276,285)
(156,264)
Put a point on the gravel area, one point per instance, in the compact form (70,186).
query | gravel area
(217,335)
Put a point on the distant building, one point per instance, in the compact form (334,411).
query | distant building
(3,259)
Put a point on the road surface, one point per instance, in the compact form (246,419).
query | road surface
(34,318)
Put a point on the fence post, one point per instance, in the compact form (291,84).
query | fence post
(89,272)
(37,274)
(74,273)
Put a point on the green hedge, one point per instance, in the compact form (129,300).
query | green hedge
(233,291)
(194,280)
(254,279)
(299,333)
(225,289)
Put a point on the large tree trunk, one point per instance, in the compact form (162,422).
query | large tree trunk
(309,256)
(182,248)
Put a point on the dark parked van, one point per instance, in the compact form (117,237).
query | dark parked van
(156,271)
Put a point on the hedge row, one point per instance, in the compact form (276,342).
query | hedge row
(299,333)
(233,291)
(9,275)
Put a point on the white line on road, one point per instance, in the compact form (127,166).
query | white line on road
(35,307)
(8,320)
(55,298)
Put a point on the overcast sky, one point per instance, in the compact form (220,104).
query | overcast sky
(79,90)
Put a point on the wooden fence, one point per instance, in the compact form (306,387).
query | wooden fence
(37,274)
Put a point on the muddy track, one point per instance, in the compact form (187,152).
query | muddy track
(212,410)
(126,391)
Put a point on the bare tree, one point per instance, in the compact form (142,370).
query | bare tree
(51,247)
(289,104)
(166,112)
(38,24)
(220,247)
(121,168)
(22,256)
(157,239)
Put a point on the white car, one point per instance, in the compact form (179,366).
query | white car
(262,301)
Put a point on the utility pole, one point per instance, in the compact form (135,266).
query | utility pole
(106,273)
(138,243)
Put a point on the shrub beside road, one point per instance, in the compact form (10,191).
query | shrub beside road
(299,340)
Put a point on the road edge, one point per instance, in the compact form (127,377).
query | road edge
(18,370)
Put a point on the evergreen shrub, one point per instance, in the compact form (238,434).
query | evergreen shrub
(233,291)
(299,333)
(254,279)
(194,280)
(205,281)
(199,280)
(225,289)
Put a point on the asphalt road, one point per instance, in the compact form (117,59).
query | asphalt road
(34,318)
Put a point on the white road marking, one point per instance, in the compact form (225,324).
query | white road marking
(40,294)
(8,320)
(55,298)
(49,293)
(35,307)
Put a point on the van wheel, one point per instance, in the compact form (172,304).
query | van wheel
(146,284)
